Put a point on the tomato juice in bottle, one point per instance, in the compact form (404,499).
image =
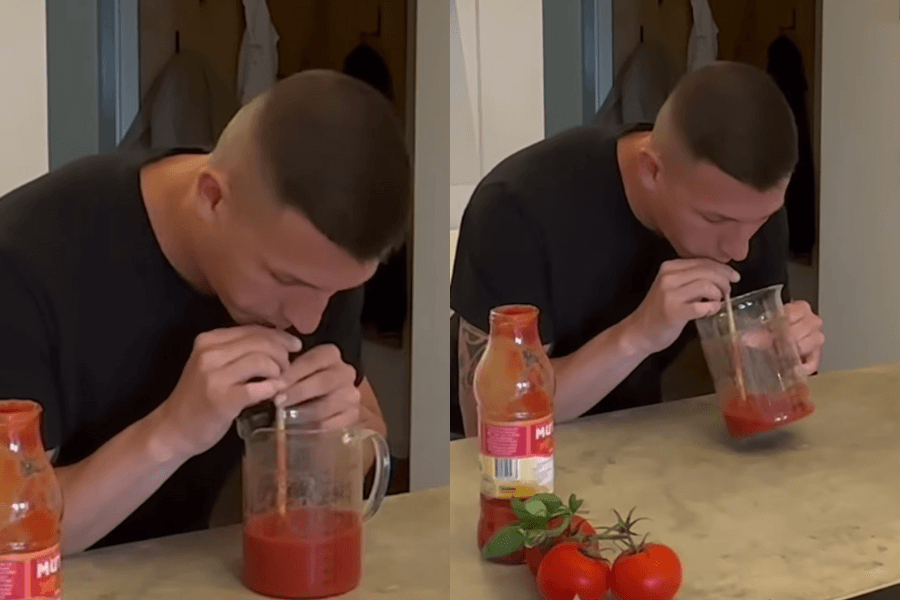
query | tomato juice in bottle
(514,388)
(30,508)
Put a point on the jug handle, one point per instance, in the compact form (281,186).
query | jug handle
(382,472)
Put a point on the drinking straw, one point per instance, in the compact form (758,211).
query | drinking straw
(281,457)
(735,349)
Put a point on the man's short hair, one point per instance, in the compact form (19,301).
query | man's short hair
(334,150)
(735,117)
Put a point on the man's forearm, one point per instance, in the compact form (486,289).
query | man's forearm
(586,376)
(103,489)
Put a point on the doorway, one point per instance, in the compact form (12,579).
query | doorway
(779,36)
(588,43)
(368,39)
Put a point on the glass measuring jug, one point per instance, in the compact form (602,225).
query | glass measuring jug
(754,364)
(303,529)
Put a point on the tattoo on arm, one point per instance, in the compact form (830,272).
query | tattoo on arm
(472,342)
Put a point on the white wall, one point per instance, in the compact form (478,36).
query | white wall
(430,367)
(23,112)
(496,65)
(859,277)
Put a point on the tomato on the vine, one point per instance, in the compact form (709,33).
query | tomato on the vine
(651,572)
(566,571)
(578,526)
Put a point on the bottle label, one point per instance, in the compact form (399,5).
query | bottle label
(517,458)
(34,576)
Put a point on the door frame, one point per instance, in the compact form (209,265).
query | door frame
(119,73)
(429,85)
(428,132)
(596,55)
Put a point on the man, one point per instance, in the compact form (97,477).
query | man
(623,239)
(147,297)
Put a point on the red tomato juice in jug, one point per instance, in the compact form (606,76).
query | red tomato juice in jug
(745,417)
(307,553)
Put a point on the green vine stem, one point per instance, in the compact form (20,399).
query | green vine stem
(625,529)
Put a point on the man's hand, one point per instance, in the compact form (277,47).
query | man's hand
(319,386)
(216,386)
(684,290)
(805,329)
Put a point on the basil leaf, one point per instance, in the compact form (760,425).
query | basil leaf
(506,541)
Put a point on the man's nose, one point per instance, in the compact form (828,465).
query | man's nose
(737,249)
(305,325)
(305,315)
(305,322)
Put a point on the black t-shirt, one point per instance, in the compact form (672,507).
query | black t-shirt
(551,226)
(97,326)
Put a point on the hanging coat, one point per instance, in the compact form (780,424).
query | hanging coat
(187,104)
(258,62)
(703,46)
(641,87)
(386,300)
(367,64)
(785,66)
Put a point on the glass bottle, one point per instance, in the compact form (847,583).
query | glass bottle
(514,386)
(30,507)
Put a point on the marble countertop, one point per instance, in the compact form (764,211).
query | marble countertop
(404,542)
(811,514)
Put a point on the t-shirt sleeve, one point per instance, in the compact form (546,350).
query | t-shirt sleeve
(500,259)
(342,326)
(766,263)
(27,355)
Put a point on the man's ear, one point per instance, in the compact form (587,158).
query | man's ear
(210,189)
(650,167)
(212,193)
